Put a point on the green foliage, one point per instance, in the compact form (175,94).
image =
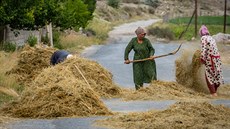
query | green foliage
(32,40)
(18,14)
(113,3)
(214,24)
(161,33)
(45,12)
(91,5)
(8,47)
(34,14)
(73,13)
(207,20)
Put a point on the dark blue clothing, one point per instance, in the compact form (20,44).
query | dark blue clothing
(58,56)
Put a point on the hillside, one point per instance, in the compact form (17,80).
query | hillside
(160,8)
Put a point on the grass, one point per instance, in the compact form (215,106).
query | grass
(177,26)
(207,20)
(77,42)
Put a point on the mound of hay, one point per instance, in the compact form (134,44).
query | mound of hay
(57,92)
(98,77)
(160,90)
(190,72)
(182,115)
(31,62)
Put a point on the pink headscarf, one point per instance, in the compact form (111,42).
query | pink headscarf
(203,30)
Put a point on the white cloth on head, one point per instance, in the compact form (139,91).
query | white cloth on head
(69,56)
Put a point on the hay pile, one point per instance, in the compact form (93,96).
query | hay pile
(194,115)
(56,92)
(161,90)
(71,88)
(190,71)
(98,78)
(31,62)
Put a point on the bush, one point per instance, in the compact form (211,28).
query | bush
(8,47)
(161,33)
(32,40)
(113,3)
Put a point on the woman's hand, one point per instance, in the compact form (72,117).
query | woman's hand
(152,57)
(202,61)
(127,61)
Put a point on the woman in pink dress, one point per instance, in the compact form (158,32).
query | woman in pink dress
(210,57)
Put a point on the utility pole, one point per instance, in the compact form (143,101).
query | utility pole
(225,15)
(195,18)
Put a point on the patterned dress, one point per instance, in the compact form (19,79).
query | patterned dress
(211,58)
(143,72)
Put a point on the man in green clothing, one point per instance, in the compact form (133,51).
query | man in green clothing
(143,72)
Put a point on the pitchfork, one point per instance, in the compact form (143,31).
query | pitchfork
(145,59)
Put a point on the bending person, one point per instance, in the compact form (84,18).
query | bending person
(59,56)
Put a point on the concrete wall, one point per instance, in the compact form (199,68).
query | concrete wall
(20,36)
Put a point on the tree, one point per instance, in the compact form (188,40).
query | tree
(18,14)
(91,5)
(33,14)
(72,14)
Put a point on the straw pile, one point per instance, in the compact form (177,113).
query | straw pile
(56,92)
(161,90)
(95,75)
(31,62)
(182,115)
(71,88)
(190,72)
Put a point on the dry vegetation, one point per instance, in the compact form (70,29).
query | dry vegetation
(190,114)
(72,88)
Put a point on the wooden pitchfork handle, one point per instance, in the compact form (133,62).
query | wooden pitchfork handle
(145,59)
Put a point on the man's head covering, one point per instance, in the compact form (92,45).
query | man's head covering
(69,56)
(203,30)
(140,30)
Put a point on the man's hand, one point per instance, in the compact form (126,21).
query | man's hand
(127,61)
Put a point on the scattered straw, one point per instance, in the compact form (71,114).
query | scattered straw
(194,115)
(161,90)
